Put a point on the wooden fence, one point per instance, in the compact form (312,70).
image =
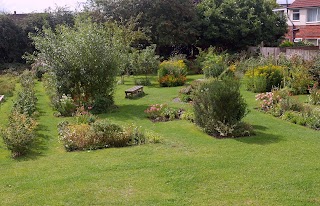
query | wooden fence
(307,53)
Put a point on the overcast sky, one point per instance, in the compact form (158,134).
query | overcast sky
(27,6)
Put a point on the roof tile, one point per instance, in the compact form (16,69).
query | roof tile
(305,3)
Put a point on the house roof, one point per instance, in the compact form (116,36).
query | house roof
(305,3)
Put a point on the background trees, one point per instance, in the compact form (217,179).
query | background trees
(236,24)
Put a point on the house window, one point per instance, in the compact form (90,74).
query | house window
(297,40)
(313,41)
(296,15)
(313,15)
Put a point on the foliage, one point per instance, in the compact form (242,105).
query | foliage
(172,73)
(168,23)
(7,84)
(264,78)
(19,134)
(286,43)
(161,112)
(236,24)
(314,97)
(297,75)
(84,59)
(219,106)
(213,64)
(99,134)
(12,40)
(145,61)
(83,116)
(26,100)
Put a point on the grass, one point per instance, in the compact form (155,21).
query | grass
(278,166)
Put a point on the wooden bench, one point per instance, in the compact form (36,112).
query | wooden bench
(1,98)
(134,91)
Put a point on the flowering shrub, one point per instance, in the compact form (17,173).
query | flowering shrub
(101,134)
(66,106)
(268,100)
(161,112)
(172,73)
(84,116)
(264,78)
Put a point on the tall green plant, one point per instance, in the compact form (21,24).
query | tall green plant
(219,106)
(85,59)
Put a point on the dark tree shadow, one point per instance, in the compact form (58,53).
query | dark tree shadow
(260,138)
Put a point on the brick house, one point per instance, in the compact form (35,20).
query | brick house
(304,21)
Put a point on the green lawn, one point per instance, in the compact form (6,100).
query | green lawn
(278,166)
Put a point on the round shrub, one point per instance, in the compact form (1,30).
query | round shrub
(172,73)
(219,106)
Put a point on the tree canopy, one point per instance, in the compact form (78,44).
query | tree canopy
(235,24)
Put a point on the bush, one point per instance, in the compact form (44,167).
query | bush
(142,81)
(172,73)
(161,112)
(19,134)
(85,59)
(98,135)
(7,84)
(314,97)
(286,44)
(219,106)
(26,101)
(299,79)
(264,78)
(213,65)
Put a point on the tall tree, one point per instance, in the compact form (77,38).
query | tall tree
(167,22)
(235,24)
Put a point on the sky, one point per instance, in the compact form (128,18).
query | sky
(28,6)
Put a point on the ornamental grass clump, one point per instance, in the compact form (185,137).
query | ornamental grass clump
(219,107)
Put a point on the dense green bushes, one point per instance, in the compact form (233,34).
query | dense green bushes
(84,60)
(219,106)
(20,132)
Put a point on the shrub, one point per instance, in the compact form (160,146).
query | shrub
(219,106)
(83,116)
(172,73)
(26,100)
(19,134)
(264,78)
(188,115)
(7,84)
(314,97)
(298,79)
(161,112)
(286,44)
(66,106)
(142,81)
(85,58)
(98,135)
(213,65)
